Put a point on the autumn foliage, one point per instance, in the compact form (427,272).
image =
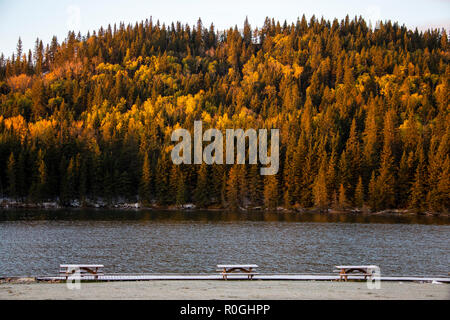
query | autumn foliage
(363,115)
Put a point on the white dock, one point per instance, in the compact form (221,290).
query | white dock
(204,276)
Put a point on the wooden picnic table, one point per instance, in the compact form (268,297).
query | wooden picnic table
(365,270)
(248,269)
(94,269)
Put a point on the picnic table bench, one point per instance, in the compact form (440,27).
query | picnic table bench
(84,269)
(227,269)
(364,270)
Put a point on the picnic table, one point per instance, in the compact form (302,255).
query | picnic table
(226,269)
(364,270)
(94,269)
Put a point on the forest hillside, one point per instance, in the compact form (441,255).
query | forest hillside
(363,115)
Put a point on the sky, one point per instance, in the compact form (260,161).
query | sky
(30,19)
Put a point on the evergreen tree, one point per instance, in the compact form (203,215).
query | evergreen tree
(22,186)
(232,188)
(320,188)
(350,160)
(11,175)
(254,186)
(162,180)
(386,178)
(359,193)
(373,193)
(418,189)
(437,175)
(405,176)
(145,195)
(243,186)
(43,177)
(343,203)
(201,194)
(83,188)
(124,189)
(418,193)
(181,197)
(374,103)
(271,192)
(442,200)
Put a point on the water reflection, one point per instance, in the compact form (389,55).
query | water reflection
(211,216)
(35,242)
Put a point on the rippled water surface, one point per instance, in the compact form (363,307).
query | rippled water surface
(36,242)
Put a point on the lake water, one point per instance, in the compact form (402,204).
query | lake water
(35,242)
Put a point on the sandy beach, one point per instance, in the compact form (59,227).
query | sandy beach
(205,290)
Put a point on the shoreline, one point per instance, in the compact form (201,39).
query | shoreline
(221,290)
(11,205)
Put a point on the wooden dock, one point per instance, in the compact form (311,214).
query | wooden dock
(204,276)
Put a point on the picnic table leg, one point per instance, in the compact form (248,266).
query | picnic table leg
(343,275)
(224,273)
(69,273)
(250,276)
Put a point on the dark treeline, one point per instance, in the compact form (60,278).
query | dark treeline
(363,114)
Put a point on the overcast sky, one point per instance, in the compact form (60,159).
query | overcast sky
(44,18)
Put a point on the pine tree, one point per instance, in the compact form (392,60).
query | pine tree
(343,203)
(71,179)
(373,193)
(247,32)
(11,175)
(63,183)
(22,186)
(405,178)
(370,140)
(351,160)
(37,96)
(442,201)
(307,180)
(418,193)
(254,186)
(162,180)
(437,161)
(386,183)
(173,184)
(42,177)
(359,193)
(223,190)
(334,201)
(320,188)
(181,197)
(386,178)
(201,194)
(215,191)
(232,189)
(145,195)
(108,186)
(271,192)
(83,182)
(243,186)
(331,175)
(124,186)
(418,189)
(289,176)
(19,49)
